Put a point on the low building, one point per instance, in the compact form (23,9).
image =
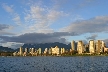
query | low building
(105,49)
(55,51)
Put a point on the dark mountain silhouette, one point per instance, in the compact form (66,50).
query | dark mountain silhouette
(40,45)
(6,49)
(47,45)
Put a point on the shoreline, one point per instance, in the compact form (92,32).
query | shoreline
(56,56)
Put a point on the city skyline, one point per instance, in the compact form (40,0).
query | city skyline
(93,47)
(39,21)
(97,47)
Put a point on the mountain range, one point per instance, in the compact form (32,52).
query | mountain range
(36,46)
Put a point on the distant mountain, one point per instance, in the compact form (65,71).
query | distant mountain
(36,46)
(6,49)
(47,45)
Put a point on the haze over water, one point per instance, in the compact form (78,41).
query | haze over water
(54,64)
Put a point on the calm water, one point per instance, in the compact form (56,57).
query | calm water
(54,64)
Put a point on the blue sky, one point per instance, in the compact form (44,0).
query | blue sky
(66,19)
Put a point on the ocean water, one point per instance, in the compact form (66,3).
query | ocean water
(54,64)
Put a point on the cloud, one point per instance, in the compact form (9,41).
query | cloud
(38,37)
(6,33)
(4,29)
(40,18)
(37,17)
(17,19)
(92,37)
(8,8)
(96,24)
(3,26)
(11,44)
(76,6)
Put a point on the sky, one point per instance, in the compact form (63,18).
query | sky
(47,21)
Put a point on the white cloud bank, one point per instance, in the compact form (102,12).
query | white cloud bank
(38,19)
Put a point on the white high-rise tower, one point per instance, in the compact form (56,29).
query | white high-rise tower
(91,46)
(80,47)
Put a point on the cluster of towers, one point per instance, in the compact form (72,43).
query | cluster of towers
(28,52)
(93,47)
(38,52)
(54,51)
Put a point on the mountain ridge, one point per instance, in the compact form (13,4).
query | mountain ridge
(39,45)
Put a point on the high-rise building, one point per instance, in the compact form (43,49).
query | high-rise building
(62,50)
(80,47)
(46,50)
(32,50)
(73,45)
(103,44)
(102,47)
(70,50)
(26,50)
(39,51)
(50,51)
(21,51)
(91,46)
(98,46)
(87,48)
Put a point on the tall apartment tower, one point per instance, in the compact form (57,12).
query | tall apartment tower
(26,50)
(102,47)
(73,45)
(46,50)
(87,47)
(91,46)
(21,51)
(49,51)
(39,51)
(62,50)
(32,50)
(98,46)
(80,47)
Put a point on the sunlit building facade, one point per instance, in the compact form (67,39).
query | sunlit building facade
(55,51)
(21,51)
(91,46)
(46,50)
(73,45)
(39,51)
(80,47)
(98,46)
(62,50)
(49,51)
(102,47)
